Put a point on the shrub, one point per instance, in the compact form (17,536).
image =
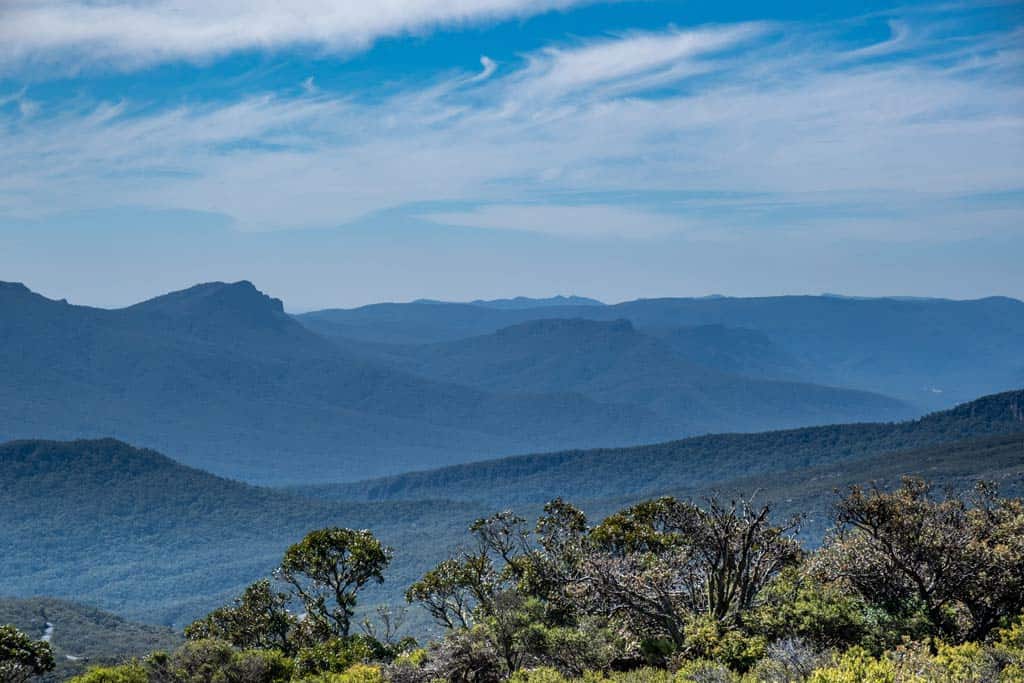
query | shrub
(704,671)
(789,659)
(538,675)
(707,639)
(334,656)
(856,665)
(126,673)
(358,673)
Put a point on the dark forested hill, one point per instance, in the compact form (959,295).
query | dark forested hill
(83,636)
(691,463)
(611,362)
(134,532)
(931,352)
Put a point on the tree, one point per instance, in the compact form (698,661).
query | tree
(22,658)
(958,559)
(660,562)
(470,583)
(328,568)
(258,619)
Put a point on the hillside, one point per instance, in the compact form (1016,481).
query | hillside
(933,353)
(812,492)
(134,532)
(690,463)
(613,363)
(83,636)
(221,378)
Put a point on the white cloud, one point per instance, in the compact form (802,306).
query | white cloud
(489,67)
(642,59)
(127,34)
(572,121)
(589,220)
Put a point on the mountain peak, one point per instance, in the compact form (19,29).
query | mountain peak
(222,297)
(18,295)
(220,306)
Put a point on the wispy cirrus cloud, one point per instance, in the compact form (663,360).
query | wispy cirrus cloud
(738,110)
(134,33)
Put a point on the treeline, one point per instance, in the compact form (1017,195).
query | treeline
(909,585)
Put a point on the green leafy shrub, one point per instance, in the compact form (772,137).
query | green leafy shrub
(126,673)
(539,675)
(856,665)
(335,655)
(705,671)
(358,673)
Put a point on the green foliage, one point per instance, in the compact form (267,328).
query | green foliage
(541,674)
(125,673)
(21,657)
(704,671)
(956,560)
(328,568)
(336,655)
(357,673)
(198,661)
(856,666)
(258,619)
(710,640)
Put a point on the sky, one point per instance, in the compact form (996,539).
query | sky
(341,152)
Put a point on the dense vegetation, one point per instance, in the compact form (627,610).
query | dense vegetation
(910,585)
(88,520)
(81,636)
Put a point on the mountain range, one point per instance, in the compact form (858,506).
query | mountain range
(931,353)
(220,377)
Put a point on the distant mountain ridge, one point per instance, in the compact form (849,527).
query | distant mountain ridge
(523,302)
(612,362)
(220,377)
(933,353)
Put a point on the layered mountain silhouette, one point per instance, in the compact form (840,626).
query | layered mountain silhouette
(220,377)
(611,362)
(933,353)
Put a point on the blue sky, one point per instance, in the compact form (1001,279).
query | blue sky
(340,153)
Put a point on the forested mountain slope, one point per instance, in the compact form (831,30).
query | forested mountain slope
(135,532)
(82,636)
(689,463)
